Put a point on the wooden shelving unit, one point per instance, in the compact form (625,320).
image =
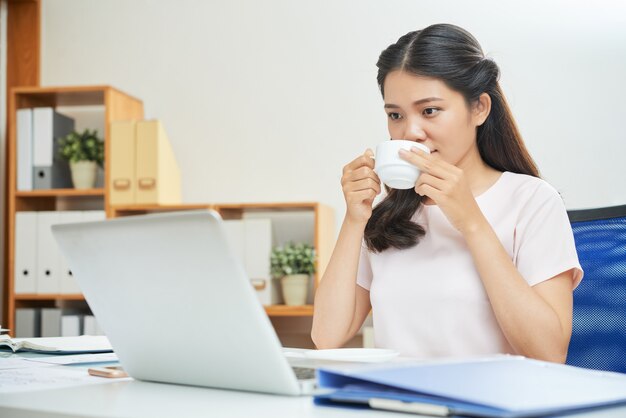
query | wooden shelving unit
(117,106)
(120,106)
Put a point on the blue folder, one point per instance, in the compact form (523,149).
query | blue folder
(503,386)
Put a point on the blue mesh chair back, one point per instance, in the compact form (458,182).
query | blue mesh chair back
(599,329)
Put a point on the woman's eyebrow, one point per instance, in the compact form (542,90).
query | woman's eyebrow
(415,103)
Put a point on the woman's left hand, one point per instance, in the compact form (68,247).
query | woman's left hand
(447,186)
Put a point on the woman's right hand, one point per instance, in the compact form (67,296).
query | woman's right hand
(360,186)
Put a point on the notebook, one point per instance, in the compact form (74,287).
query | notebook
(64,345)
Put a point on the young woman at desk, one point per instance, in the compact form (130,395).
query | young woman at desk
(479,257)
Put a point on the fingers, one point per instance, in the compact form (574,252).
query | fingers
(360,174)
(363,184)
(365,160)
(429,164)
(359,182)
(361,196)
(430,180)
(428,190)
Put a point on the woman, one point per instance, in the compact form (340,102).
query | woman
(479,257)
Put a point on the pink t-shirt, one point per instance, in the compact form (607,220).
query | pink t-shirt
(428,301)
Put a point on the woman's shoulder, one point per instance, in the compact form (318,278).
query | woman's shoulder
(528,193)
(526,186)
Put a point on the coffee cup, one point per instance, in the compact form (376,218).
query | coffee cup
(393,170)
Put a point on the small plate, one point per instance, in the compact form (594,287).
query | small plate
(366,355)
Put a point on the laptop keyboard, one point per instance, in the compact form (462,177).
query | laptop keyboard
(304,373)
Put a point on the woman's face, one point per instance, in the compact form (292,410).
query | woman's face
(425,110)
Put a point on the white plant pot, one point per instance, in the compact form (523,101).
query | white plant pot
(84,174)
(295,288)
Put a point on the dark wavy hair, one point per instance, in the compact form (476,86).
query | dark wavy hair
(452,55)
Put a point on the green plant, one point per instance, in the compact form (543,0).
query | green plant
(87,146)
(292,258)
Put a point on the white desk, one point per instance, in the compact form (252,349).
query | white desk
(155,400)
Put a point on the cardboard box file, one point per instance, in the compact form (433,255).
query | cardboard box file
(122,181)
(157,172)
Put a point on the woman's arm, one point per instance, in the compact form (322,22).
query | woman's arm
(340,304)
(536,321)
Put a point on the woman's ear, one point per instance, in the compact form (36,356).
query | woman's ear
(481,110)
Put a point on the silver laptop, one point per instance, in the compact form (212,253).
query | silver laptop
(175,302)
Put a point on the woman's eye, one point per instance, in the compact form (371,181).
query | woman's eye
(431,111)
(394,116)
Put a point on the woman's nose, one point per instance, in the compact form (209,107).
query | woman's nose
(414,132)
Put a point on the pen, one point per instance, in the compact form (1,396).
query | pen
(410,407)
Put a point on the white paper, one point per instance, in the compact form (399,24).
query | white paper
(38,378)
(77,359)
(17,363)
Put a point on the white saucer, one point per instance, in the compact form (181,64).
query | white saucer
(366,355)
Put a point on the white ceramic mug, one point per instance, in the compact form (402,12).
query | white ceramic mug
(393,170)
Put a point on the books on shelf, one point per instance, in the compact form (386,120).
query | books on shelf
(39,165)
(143,165)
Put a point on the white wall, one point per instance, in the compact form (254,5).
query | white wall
(267,100)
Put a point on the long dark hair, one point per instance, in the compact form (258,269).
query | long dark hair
(452,55)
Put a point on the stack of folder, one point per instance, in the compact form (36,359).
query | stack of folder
(39,266)
(143,170)
(502,386)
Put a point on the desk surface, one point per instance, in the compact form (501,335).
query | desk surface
(145,399)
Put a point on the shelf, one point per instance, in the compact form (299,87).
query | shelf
(165,208)
(273,310)
(64,96)
(60,193)
(35,296)
(284,310)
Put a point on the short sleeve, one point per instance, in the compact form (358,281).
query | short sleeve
(364,272)
(544,241)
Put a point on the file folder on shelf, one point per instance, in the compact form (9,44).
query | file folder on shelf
(122,180)
(24,149)
(51,322)
(49,170)
(505,386)
(25,267)
(48,254)
(157,172)
(27,322)
(251,242)
(67,282)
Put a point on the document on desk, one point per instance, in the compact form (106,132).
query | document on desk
(503,386)
(76,359)
(55,377)
(18,363)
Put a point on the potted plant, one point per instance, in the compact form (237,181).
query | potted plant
(293,263)
(85,152)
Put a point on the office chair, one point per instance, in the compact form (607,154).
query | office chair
(599,330)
